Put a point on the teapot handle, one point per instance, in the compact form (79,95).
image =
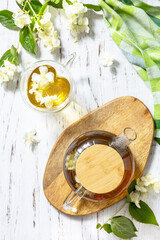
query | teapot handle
(73,198)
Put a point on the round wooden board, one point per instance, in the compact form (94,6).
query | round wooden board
(112,117)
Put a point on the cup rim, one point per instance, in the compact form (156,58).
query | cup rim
(23,80)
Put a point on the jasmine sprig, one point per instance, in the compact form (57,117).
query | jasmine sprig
(35,10)
(123,227)
(33,23)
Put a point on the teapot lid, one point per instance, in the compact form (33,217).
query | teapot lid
(100,168)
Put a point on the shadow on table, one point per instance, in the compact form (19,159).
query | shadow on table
(71,113)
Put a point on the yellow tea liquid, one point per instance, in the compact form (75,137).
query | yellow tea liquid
(59,87)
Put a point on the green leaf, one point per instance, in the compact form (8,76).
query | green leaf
(19,5)
(69,2)
(127,2)
(123,227)
(6,55)
(10,55)
(14,53)
(143,214)
(56,3)
(130,189)
(155,20)
(7,20)
(33,7)
(32,25)
(53,3)
(93,7)
(107,228)
(43,8)
(27,40)
(98,225)
(36,5)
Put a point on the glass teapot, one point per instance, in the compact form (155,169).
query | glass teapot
(98,166)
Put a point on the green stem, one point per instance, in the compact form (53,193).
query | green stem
(17,46)
(31,8)
(24,6)
(115,214)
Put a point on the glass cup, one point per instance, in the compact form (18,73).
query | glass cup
(61,71)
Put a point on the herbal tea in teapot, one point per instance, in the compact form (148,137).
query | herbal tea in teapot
(98,165)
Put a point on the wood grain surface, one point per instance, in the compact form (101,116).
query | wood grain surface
(100,169)
(112,117)
(25,212)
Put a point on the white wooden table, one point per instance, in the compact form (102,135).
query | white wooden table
(25,213)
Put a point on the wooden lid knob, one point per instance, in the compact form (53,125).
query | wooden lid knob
(100,169)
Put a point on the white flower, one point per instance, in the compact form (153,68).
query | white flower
(50,40)
(76,21)
(157,187)
(148,179)
(45,19)
(3,76)
(8,71)
(74,9)
(74,210)
(47,33)
(70,163)
(49,101)
(34,87)
(144,185)
(31,138)
(135,198)
(140,186)
(107,60)
(40,83)
(21,19)
(43,79)
(10,68)
(147,183)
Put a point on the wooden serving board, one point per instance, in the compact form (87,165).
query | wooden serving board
(111,117)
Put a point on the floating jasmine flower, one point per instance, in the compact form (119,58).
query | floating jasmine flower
(21,19)
(31,138)
(107,60)
(76,21)
(49,101)
(74,210)
(34,87)
(70,161)
(40,84)
(8,71)
(42,79)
